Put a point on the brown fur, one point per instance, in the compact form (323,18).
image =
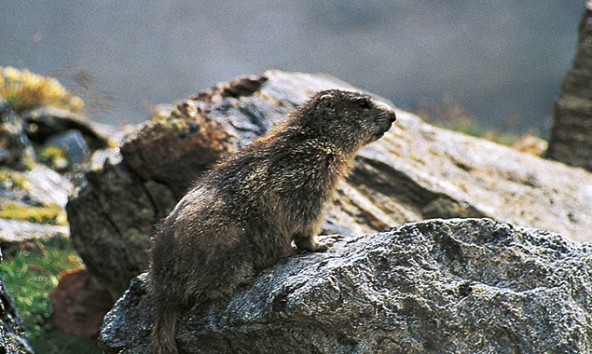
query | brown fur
(242,216)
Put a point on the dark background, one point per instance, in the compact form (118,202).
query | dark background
(504,59)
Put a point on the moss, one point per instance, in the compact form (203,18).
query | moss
(30,274)
(28,161)
(52,342)
(53,156)
(50,214)
(12,179)
(23,90)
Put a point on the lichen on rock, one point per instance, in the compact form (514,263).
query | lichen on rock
(23,90)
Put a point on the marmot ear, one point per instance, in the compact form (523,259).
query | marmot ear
(327,101)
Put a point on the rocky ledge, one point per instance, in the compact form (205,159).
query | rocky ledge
(458,285)
(415,172)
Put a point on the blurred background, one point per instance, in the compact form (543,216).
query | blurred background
(501,62)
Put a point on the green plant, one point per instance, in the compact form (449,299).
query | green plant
(23,90)
(59,343)
(49,214)
(30,272)
(53,156)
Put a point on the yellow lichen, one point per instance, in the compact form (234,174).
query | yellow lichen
(12,179)
(54,156)
(23,90)
(50,214)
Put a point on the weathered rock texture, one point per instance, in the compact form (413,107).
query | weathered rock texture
(415,172)
(12,339)
(15,146)
(43,123)
(439,286)
(79,303)
(571,135)
(38,188)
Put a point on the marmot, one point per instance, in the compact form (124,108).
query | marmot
(243,214)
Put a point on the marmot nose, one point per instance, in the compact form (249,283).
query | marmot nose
(392,117)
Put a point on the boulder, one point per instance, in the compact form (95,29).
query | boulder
(416,172)
(12,339)
(571,135)
(438,286)
(45,122)
(79,303)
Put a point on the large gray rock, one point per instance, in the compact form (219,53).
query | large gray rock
(571,135)
(415,172)
(463,286)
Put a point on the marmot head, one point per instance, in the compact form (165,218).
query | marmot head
(348,119)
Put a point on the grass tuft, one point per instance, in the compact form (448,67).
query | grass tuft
(30,274)
(22,90)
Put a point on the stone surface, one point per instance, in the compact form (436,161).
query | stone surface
(45,186)
(72,144)
(46,122)
(571,135)
(79,303)
(12,339)
(531,144)
(415,172)
(460,285)
(39,188)
(16,151)
(17,231)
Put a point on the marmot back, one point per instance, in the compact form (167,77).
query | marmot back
(242,216)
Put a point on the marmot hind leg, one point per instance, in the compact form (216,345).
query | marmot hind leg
(318,243)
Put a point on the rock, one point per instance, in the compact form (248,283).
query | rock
(415,172)
(45,186)
(16,151)
(79,303)
(530,144)
(459,285)
(16,231)
(71,146)
(12,339)
(32,204)
(47,121)
(571,135)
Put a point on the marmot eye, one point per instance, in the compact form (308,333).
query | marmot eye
(365,104)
